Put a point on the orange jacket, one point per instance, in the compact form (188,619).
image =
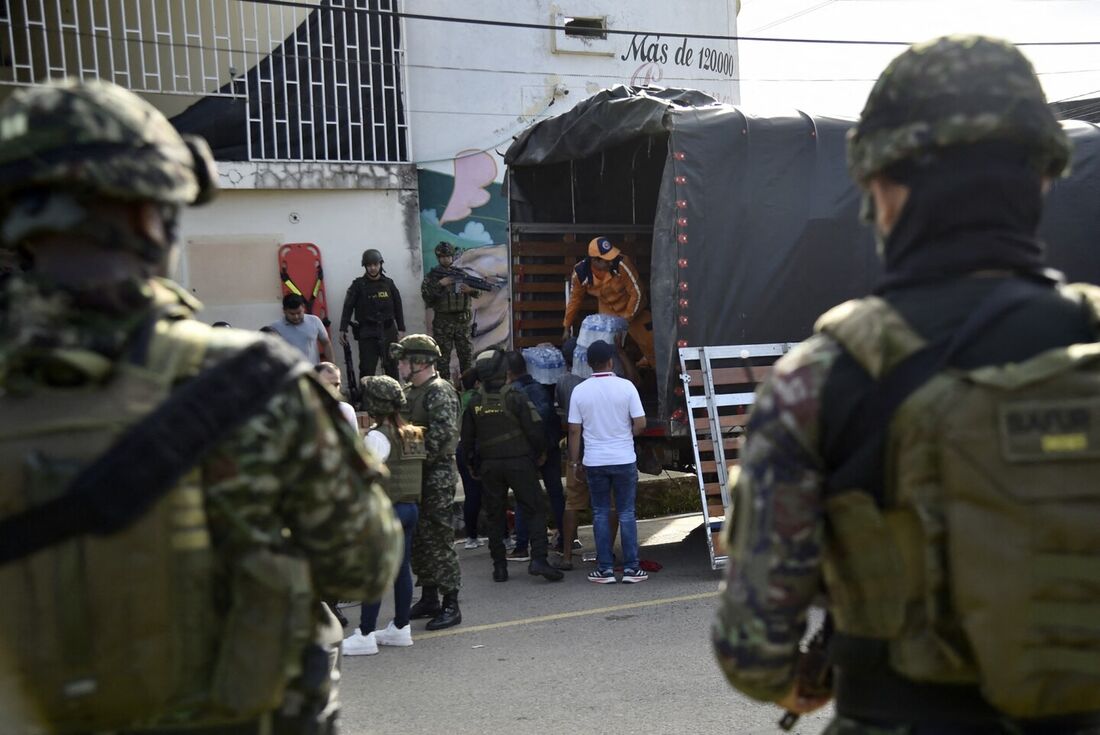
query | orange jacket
(622,294)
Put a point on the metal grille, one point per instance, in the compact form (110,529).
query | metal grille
(318,84)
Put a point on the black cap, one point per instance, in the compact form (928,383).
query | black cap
(599,352)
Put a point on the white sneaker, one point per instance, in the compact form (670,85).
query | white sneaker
(358,644)
(472,543)
(391,635)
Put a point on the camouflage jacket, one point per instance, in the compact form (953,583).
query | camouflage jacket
(777,533)
(295,470)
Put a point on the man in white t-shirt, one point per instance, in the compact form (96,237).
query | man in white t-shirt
(304,331)
(330,376)
(607,410)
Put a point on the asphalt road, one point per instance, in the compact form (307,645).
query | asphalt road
(536,657)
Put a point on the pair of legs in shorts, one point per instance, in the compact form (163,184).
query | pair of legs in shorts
(576,499)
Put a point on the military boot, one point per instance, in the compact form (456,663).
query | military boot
(427,606)
(541,567)
(500,570)
(449,616)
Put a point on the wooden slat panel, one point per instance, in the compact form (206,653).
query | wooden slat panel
(716,509)
(731,444)
(521,286)
(530,305)
(536,323)
(709,466)
(730,376)
(724,422)
(542,247)
(546,269)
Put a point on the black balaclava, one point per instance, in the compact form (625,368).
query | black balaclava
(970,208)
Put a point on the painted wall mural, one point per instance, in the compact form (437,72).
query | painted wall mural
(467,209)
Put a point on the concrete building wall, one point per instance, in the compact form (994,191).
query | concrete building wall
(228,254)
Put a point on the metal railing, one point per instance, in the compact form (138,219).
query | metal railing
(319,83)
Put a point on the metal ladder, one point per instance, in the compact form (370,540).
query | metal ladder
(719,385)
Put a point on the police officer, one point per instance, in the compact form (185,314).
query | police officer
(505,444)
(450,304)
(432,404)
(175,500)
(895,457)
(376,303)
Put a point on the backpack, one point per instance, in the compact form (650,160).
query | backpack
(981,564)
(145,626)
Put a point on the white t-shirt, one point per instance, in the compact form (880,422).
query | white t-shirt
(349,413)
(378,444)
(605,406)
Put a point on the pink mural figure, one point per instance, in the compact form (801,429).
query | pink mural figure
(474,170)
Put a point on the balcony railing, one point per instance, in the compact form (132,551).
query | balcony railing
(316,80)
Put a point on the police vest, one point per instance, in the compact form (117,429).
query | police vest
(499,434)
(405,465)
(120,631)
(981,565)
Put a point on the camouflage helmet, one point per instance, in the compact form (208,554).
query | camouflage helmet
(372,256)
(445,249)
(955,90)
(97,138)
(382,395)
(415,344)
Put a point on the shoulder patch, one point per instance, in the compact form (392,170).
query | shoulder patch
(872,332)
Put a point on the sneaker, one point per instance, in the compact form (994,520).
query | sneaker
(509,543)
(471,543)
(391,635)
(577,545)
(520,555)
(604,577)
(358,644)
(632,576)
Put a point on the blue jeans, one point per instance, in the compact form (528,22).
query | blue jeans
(408,514)
(622,479)
(551,477)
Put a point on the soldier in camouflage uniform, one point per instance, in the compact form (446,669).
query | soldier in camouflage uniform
(92,181)
(954,150)
(451,313)
(433,405)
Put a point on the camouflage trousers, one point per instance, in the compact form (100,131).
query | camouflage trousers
(434,561)
(451,331)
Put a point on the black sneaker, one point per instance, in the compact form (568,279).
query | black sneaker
(605,577)
(633,576)
(519,555)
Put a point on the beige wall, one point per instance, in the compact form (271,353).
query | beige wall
(229,247)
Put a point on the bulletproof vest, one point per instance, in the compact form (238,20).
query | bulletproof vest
(109,632)
(416,411)
(405,465)
(980,563)
(374,306)
(499,434)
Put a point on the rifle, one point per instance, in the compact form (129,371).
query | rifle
(814,673)
(353,382)
(460,276)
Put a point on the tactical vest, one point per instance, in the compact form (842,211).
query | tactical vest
(452,303)
(416,412)
(405,465)
(118,631)
(981,565)
(499,434)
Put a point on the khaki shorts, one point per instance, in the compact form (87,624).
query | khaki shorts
(576,491)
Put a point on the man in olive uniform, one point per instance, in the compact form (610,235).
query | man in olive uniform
(918,455)
(450,304)
(374,300)
(183,497)
(503,438)
(433,405)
